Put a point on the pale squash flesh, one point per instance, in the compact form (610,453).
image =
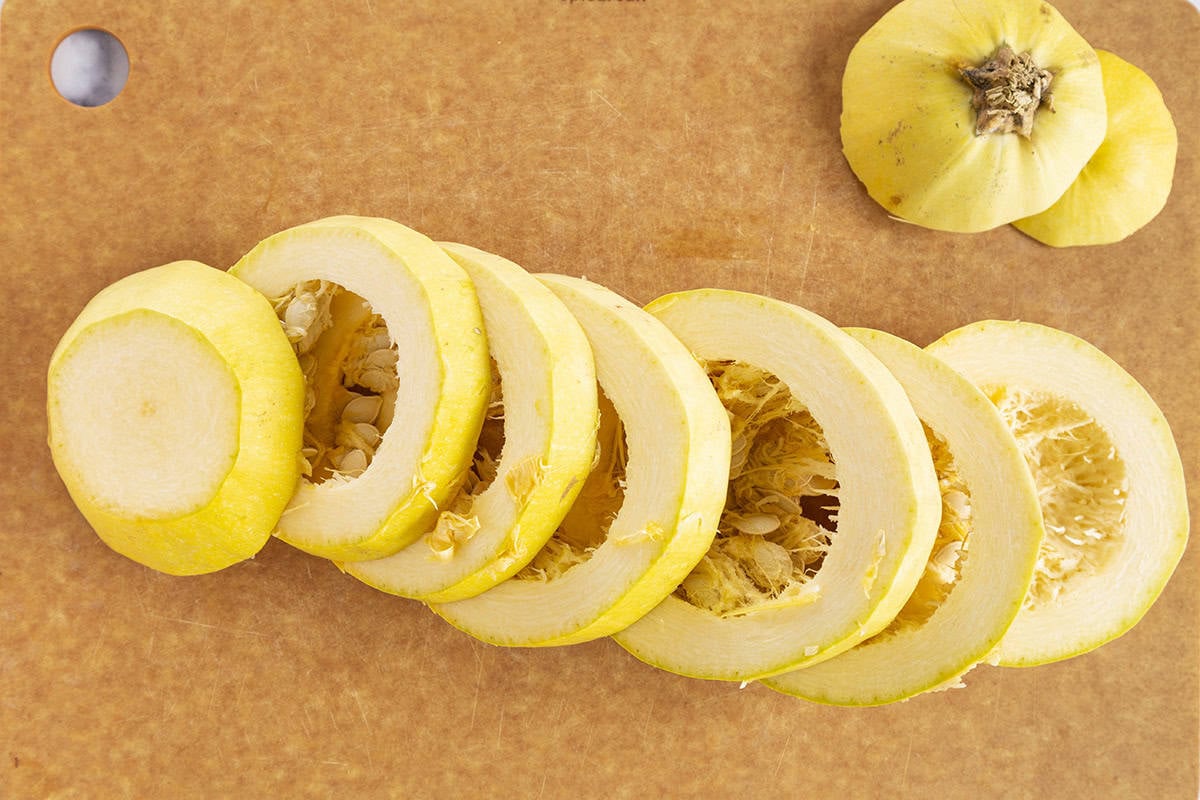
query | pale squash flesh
(1109,477)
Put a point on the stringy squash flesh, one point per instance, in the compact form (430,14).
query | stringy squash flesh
(781,506)
(1082,487)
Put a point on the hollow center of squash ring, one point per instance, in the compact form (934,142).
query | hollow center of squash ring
(586,525)
(1081,483)
(949,553)
(349,365)
(1008,89)
(458,521)
(782,502)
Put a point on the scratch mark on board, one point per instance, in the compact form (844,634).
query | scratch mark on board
(478,681)
(207,625)
(649,717)
(306,723)
(600,96)
(333,719)
(782,753)
(812,232)
(362,712)
(237,697)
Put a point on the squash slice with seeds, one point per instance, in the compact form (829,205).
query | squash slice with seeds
(832,504)
(175,411)
(1109,478)
(533,456)
(649,508)
(361,299)
(981,562)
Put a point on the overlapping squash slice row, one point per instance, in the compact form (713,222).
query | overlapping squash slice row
(729,485)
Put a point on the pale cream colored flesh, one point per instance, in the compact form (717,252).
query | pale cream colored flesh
(129,401)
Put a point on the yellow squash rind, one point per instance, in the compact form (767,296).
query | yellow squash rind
(908,127)
(1126,182)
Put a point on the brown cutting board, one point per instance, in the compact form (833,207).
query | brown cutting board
(653,145)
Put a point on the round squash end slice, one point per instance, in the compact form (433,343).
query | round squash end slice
(832,503)
(946,111)
(980,565)
(654,497)
(1109,478)
(174,406)
(534,454)
(364,300)
(1126,182)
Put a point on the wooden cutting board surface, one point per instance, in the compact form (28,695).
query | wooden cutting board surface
(651,146)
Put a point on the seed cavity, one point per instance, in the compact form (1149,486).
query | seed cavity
(1081,483)
(587,524)
(782,500)
(457,523)
(349,363)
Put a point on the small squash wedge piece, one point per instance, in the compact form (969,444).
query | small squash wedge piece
(980,566)
(362,300)
(1109,477)
(946,110)
(833,504)
(534,454)
(1127,180)
(175,409)
(653,500)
